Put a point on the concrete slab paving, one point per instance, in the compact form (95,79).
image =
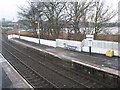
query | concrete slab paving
(10,77)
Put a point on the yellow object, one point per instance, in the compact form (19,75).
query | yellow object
(109,53)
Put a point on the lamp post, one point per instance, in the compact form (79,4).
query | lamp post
(19,30)
(38,30)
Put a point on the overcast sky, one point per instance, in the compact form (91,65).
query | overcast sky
(9,8)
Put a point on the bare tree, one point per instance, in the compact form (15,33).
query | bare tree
(78,10)
(101,14)
(54,14)
(31,14)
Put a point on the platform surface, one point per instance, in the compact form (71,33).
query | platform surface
(10,78)
(101,62)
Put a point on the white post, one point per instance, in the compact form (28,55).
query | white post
(19,34)
(19,30)
(39,31)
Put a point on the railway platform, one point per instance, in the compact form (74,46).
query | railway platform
(96,61)
(9,77)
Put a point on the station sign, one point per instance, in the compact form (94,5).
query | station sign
(70,47)
(90,39)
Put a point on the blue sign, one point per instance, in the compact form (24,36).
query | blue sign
(70,47)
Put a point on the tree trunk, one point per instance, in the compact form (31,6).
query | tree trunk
(35,33)
(95,36)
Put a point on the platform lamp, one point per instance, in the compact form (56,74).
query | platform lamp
(19,30)
(38,30)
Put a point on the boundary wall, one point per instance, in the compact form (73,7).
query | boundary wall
(98,46)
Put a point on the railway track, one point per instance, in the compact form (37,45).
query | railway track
(108,81)
(79,81)
(51,75)
(33,77)
(60,65)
